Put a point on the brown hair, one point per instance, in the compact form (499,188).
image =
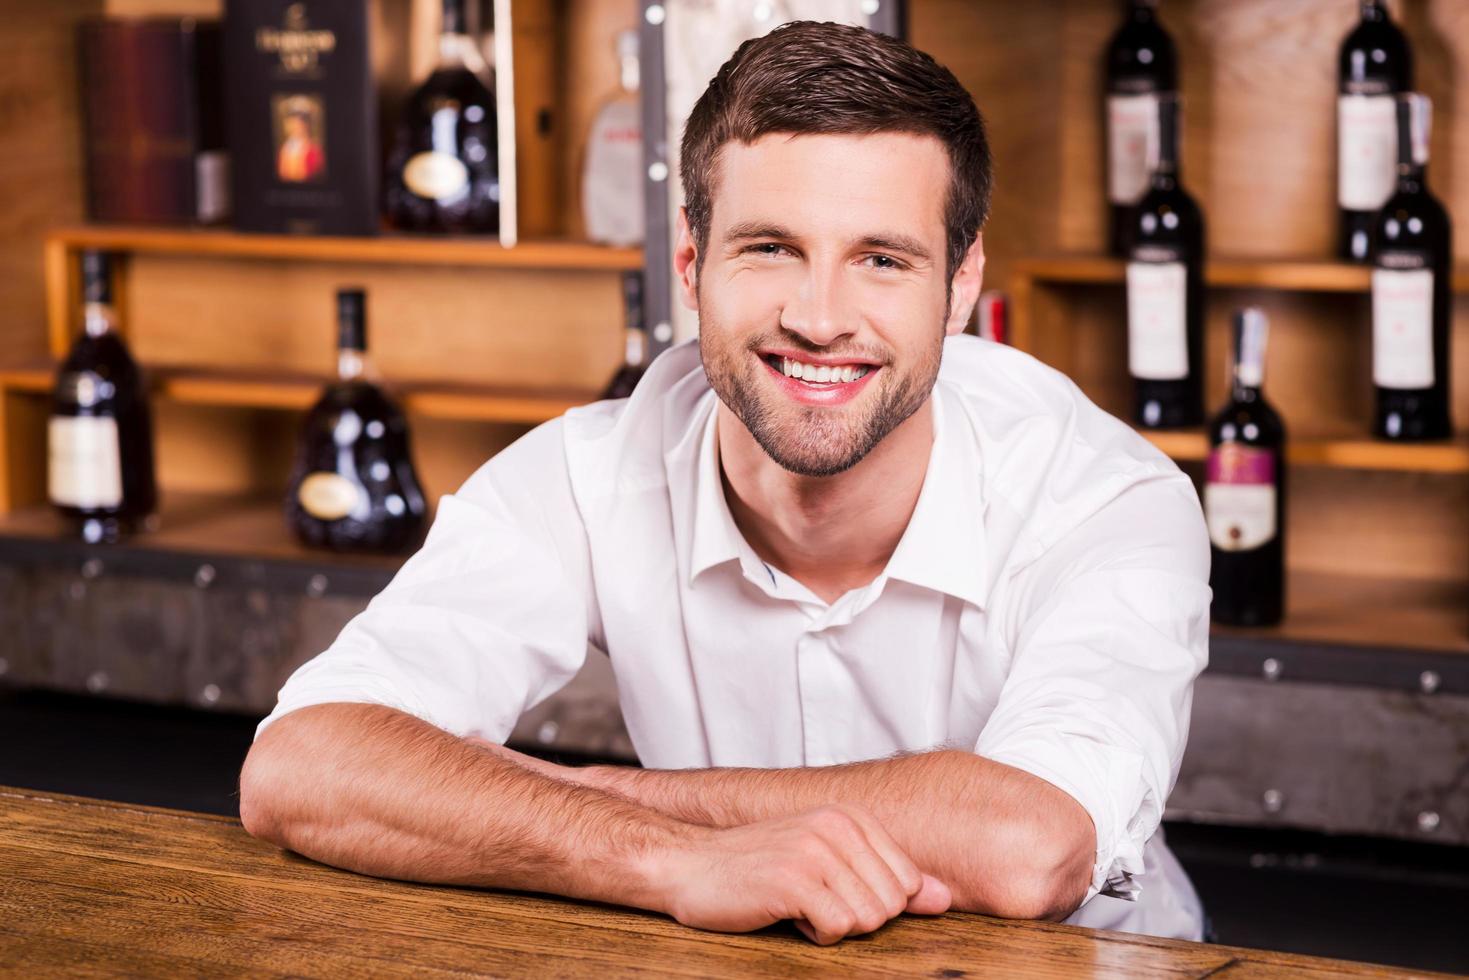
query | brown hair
(808,77)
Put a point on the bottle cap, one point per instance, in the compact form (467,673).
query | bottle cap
(352,319)
(1415,122)
(1251,330)
(96,277)
(454,21)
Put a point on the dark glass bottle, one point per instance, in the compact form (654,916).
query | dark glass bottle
(1375,64)
(1140,66)
(100,436)
(443,172)
(1411,303)
(353,486)
(636,355)
(1165,292)
(1244,492)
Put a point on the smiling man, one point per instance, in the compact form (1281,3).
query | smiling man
(900,621)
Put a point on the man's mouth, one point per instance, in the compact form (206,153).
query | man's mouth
(818,375)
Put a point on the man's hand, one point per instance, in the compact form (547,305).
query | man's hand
(834,871)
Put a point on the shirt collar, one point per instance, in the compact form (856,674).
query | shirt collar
(942,548)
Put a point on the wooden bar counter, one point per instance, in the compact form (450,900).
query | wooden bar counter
(99,888)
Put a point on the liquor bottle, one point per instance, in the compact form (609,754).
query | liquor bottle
(1165,292)
(1410,293)
(442,171)
(612,178)
(1141,66)
(1375,64)
(636,353)
(1244,492)
(353,486)
(100,435)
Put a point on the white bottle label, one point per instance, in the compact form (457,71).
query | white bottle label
(1402,328)
(329,496)
(1132,146)
(612,184)
(436,176)
(1157,320)
(85,462)
(1367,150)
(1239,497)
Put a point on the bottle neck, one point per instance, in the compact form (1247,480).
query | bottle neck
(98,318)
(1373,11)
(1165,173)
(453,48)
(1139,11)
(630,74)
(351,364)
(1413,124)
(1250,330)
(635,353)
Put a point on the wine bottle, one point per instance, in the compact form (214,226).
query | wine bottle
(1375,64)
(612,178)
(100,434)
(442,172)
(353,486)
(1410,293)
(1244,491)
(1165,292)
(1141,66)
(636,353)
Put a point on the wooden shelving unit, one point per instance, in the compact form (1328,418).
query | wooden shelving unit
(1295,275)
(1344,451)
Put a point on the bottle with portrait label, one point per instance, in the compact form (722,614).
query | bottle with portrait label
(1244,490)
(1141,66)
(100,434)
(635,355)
(1411,302)
(353,486)
(612,179)
(1165,292)
(1375,64)
(442,172)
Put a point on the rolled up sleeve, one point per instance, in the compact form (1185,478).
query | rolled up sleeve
(1111,629)
(487,619)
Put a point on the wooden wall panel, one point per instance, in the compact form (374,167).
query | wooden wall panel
(523,328)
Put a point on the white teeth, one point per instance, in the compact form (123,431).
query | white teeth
(822,374)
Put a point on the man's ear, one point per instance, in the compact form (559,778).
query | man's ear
(964,290)
(685,262)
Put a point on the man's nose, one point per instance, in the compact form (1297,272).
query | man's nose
(821,311)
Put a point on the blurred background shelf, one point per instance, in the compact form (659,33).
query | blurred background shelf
(1339,451)
(1300,275)
(396,249)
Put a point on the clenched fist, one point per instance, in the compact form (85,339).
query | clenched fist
(835,871)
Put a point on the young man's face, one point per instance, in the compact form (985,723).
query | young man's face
(822,296)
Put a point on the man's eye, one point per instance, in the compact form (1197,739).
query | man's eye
(766,248)
(886,262)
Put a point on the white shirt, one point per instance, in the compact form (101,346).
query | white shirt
(1046,607)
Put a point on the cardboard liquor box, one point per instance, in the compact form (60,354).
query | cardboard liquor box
(153,131)
(303,116)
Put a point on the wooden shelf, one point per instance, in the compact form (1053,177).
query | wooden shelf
(392,249)
(1363,611)
(1301,275)
(298,392)
(1344,451)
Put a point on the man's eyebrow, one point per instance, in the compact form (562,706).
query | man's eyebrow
(887,241)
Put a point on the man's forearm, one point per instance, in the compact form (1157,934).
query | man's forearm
(1003,840)
(374,790)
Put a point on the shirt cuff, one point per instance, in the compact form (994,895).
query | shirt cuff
(1107,782)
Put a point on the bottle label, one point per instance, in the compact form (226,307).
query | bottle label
(1367,150)
(436,176)
(84,461)
(1402,328)
(1157,320)
(329,496)
(1239,497)
(1132,146)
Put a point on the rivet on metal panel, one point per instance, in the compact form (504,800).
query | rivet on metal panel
(547,733)
(204,576)
(655,14)
(97,682)
(317,585)
(1270,669)
(870,7)
(1428,681)
(210,694)
(657,171)
(1273,801)
(663,332)
(91,568)
(1428,821)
